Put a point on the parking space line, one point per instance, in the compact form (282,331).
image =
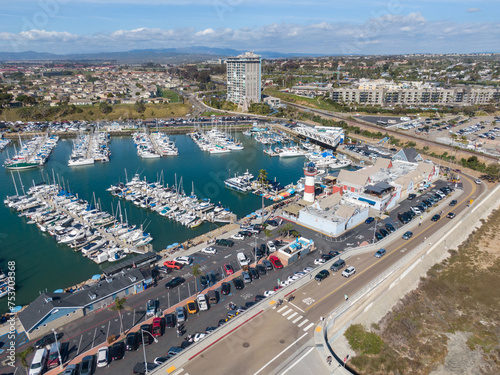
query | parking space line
(309,326)
(303,322)
(297,319)
(292,315)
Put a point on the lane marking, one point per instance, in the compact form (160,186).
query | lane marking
(309,326)
(279,354)
(298,308)
(303,322)
(297,319)
(292,315)
(297,361)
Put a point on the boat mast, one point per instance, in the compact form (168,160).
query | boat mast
(14,181)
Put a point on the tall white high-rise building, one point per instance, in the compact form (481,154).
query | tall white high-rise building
(244,79)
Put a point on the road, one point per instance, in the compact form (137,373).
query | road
(260,345)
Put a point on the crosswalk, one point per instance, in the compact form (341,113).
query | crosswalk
(289,313)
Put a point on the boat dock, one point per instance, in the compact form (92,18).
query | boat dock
(78,224)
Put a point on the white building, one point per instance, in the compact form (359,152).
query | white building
(244,79)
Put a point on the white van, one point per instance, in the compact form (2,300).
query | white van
(242,259)
(202,302)
(38,363)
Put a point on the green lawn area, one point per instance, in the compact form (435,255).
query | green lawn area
(172,96)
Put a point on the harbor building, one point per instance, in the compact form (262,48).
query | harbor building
(53,310)
(377,188)
(244,79)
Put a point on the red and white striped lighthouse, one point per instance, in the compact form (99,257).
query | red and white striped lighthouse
(310,171)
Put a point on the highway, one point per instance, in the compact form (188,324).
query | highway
(260,345)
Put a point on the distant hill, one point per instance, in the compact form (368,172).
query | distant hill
(165,55)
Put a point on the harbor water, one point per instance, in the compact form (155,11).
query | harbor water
(44,265)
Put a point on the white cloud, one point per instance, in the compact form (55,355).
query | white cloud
(473,10)
(410,33)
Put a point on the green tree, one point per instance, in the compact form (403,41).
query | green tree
(119,306)
(262,178)
(105,108)
(22,356)
(139,106)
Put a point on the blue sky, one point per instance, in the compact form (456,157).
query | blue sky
(300,26)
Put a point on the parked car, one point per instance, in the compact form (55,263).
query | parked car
(390,228)
(170,320)
(254,274)
(118,350)
(186,260)
(349,271)
(88,365)
(224,242)
(131,341)
(203,281)
(238,236)
(380,253)
(140,368)
(209,250)
(145,337)
(225,289)
(172,264)
(47,340)
(411,196)
(383,232)
(238,283)
(271,246)
(71,370)
(180,314)
(228,269)
(369,220)
(378,236)
(267,264)
(246,277)
(276,261)
(192,307)
(174,282)
(321,275)
(103,357)
(261,269)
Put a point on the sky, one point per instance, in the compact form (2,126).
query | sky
(286,26)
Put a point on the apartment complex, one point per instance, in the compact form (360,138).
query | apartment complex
(415,96)
(244,79)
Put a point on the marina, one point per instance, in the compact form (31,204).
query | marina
(89,148)
(78,223)
(21,241)
(33,153)
(171,202)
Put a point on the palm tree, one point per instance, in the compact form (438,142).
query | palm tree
(262,177)
(22,356)
(287,228)
(197,272)
(119,306)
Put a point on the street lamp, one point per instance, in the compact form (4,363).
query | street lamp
(144,348)
(58,351)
